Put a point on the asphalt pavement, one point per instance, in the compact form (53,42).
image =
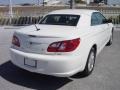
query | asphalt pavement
(106,75)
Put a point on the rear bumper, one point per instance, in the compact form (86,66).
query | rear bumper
(55,65)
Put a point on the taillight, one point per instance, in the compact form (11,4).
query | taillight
(64,46)
(15,41)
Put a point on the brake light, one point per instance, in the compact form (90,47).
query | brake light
(64,46)
(15,41)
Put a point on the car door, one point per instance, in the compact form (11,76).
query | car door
(104,27)
(99,28)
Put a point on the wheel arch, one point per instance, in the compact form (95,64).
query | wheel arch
(85,71)
(95,47)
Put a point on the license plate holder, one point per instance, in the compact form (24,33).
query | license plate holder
(30,62)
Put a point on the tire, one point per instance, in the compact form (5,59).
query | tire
(110,40)
(90,62)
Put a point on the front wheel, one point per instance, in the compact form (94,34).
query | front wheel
(110,40)
(90,62)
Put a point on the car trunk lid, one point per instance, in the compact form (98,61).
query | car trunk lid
(37,41)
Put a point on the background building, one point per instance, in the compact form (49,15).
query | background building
(95,1)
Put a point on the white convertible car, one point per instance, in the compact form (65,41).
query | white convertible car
(64,43)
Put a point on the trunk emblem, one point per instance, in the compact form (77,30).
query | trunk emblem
(32,36)
(34,43)
(31,43)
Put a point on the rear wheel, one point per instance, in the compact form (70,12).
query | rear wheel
(90,62)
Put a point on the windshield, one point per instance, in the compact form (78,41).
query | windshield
(60,19)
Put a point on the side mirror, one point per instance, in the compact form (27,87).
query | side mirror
(107,21)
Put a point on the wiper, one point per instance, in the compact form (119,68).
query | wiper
(37,28)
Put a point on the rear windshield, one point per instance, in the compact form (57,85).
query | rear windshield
(60,19)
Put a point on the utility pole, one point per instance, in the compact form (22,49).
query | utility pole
(72,3)
(88,2)
(10,11)
(43,3)
(38,2)
(106,2)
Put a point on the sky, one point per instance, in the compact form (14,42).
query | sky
(35,1)
(18,1)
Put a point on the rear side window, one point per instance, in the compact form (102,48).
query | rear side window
(61,19)
(94,20)
(97,19)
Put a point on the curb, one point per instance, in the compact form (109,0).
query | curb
(117,27)
(11,27)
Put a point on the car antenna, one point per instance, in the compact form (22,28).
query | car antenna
(37,28)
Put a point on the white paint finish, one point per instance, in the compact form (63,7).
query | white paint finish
(60,63)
